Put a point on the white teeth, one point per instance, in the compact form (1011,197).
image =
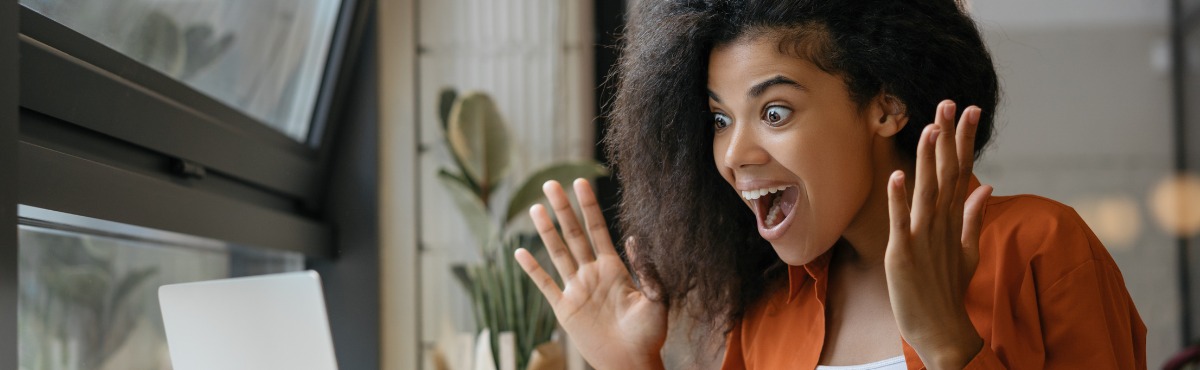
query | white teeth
(759,193)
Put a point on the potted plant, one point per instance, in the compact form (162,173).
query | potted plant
(507,306)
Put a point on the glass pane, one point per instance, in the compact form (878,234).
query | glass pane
(263,57)
(89,299)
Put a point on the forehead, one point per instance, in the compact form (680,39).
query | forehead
(736,66)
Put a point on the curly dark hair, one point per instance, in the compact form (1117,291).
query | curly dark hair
(696,241)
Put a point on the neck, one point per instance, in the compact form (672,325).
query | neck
(865,241)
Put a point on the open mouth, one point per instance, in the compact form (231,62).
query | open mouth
(773,206)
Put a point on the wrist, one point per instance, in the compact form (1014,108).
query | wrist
(953,351)
(956,353)
(955,356)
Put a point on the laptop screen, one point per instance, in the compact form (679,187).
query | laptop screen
(261,322)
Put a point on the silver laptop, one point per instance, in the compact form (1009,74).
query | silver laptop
(254,323)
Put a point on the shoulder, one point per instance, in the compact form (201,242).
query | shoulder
(1041,234)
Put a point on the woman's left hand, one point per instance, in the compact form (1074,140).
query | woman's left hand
(933,248)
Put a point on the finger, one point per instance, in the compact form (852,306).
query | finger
(947,157)
(973,226)
(898,211)
(967,127)
(925,191)
(560,256)
(594,218)
(576,238)
(965,144)
(544,282)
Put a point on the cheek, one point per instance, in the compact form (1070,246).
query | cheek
(844,191)
(836,175)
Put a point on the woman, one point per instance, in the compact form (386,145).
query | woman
(793,174)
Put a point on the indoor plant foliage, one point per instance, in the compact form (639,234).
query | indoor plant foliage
(504,300)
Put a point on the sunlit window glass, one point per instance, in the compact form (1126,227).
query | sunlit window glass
(89,297)
(262,57)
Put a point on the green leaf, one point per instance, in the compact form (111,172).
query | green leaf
(530,192)
(465,182)
(479,138)
(479,305)
(445,102)
(463,277)
(471,207)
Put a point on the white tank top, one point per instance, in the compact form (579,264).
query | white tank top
(894,363)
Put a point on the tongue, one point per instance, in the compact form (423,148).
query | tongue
(787,200)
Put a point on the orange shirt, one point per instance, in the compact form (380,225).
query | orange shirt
(1046,294)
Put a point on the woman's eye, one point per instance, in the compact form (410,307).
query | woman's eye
(776,115)
(721,121)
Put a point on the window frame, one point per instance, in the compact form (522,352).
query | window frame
(1182,24)
(9,79)
(178,161)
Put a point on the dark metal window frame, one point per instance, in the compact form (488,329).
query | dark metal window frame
(104,136)
(1183,22)
(8,184)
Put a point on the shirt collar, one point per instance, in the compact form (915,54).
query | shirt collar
(816,270)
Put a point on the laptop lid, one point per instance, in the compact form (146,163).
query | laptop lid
(260,322)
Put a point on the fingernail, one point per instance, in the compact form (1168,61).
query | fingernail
(948,110)
(978,112)
(898,177)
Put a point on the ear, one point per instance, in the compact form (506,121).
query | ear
(888,114)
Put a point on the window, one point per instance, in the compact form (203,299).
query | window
(162,142)
(88,294)
(263,58)
(90,111)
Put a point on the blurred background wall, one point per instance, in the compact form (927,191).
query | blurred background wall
(1086,119)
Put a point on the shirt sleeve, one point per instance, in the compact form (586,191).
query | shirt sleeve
(1090,321)
(1078,313)
(1086,316)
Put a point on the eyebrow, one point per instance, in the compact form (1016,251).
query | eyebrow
(761,87)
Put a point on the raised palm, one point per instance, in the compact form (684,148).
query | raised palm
(613,323)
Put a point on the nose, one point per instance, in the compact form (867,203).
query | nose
(743,148)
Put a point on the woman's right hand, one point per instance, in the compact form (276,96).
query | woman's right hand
(614,324)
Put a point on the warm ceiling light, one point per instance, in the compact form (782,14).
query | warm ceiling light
(1115,220)
(1175,203)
